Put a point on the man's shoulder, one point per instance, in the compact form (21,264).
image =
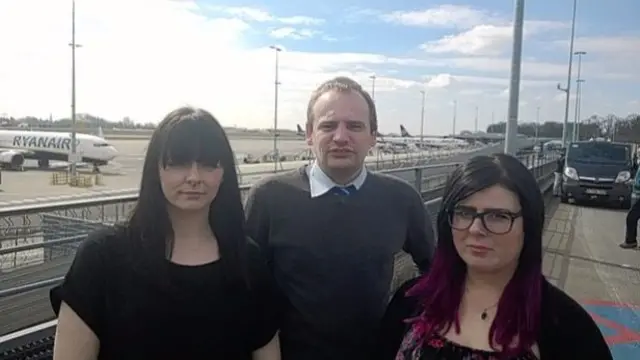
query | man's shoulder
(279,180)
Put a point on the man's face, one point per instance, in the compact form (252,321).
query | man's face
(340,135)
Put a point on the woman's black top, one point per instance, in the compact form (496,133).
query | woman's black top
(173,312)
(567,332)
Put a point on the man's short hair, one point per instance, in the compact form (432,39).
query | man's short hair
(343,84)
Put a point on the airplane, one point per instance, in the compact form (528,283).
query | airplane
(484,137)
(407,139)
(44,146)
(299,131)
(435,141)
(406,142)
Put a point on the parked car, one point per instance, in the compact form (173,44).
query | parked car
(600,171)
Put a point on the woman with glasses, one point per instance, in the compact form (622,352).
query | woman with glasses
(179,280)
(485,296)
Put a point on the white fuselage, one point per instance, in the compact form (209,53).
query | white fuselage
(426,142)
(45,145)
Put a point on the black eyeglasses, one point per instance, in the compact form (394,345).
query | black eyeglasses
(496,221)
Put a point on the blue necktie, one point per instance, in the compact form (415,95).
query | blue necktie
(343,191)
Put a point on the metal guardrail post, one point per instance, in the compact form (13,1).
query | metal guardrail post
(418,179)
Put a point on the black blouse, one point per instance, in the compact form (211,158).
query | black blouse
(171,311)
(567,332)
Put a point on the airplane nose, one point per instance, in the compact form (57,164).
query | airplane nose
(113,152)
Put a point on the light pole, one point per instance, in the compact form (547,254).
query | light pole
(455,115)
(567,90)
(537,123)
(73,160)
(476,120)
(373,87)
(613,126)
(514,89)
(576,119)
(422,116)
(579,83)
(276,84)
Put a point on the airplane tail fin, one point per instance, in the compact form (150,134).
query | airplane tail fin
(300,131)
(404,131)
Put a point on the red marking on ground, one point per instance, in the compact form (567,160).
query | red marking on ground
(624,335)
(596,302)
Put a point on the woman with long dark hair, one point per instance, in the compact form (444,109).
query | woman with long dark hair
(179,280)
(485,296)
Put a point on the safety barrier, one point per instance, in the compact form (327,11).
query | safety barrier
(38,259)
(80,180)
(36,342)
(247,174)
(19,230)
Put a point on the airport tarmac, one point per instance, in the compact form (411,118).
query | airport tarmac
(123,173)
(132,152)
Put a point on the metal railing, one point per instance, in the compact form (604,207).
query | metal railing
(15,228)
(19,228)
(64,224)
(22,224)
(249,173)
(53,225)
(34,339)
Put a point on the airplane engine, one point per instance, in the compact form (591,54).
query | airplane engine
(11,159)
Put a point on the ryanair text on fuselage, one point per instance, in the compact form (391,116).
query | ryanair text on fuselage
(44,142)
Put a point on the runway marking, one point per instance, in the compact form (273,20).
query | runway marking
(619,324)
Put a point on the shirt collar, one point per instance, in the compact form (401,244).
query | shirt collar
(320,183)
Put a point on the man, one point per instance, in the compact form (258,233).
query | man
(557,181)
(631,234)
(330,230)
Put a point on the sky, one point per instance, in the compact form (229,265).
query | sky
(142,58)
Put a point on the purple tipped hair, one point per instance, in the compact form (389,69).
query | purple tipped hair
(518,312)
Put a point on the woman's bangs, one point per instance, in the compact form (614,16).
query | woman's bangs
(192,141)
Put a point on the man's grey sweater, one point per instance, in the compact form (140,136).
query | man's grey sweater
(333,257)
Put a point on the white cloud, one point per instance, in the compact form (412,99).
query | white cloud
(301,20)
(329,38)
(293,33)
(486,39)
(606,45)
(443,16)
(480,40)
(439,81)
(125,68)
(615,57)
(142,58)
(246,12)
(259,15)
